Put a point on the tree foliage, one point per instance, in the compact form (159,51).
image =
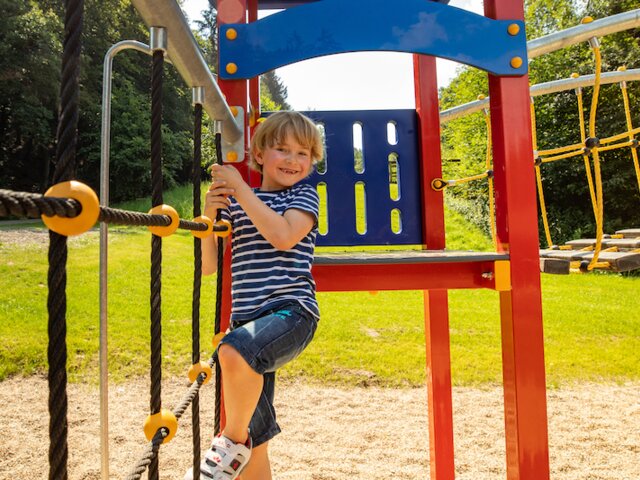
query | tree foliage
(30,52)
(557,121)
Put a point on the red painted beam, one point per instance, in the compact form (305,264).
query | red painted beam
(415,276)
(520,308)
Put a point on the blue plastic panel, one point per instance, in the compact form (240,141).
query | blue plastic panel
(341,177)
(338,26)
(278,4)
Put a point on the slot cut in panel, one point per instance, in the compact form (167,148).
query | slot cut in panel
(323,210)
(361,208)
(392,133)
(394,176)
(358,149)
(321,166)
(396,221)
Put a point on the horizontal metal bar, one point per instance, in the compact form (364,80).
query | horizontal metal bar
(544,89)
(185,55)
(580,33)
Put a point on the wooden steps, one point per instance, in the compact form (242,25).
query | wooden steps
(618,261)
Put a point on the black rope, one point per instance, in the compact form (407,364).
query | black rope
(155,403)
(151,451)
(66,142)
(219,275)
(197,280)
(33,205)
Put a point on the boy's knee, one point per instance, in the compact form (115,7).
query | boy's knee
(230,358)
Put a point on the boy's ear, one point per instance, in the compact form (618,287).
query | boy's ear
(257,155)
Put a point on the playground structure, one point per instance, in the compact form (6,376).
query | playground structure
(414,163)
(619,252)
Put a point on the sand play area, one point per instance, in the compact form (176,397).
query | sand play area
(331,433)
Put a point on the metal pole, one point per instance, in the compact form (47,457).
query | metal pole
(544,89)
(105,145)
(187,58)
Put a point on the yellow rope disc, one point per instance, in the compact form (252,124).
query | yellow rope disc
(203,234)
(88,215)
(163,419)
(170,212)
(198,368)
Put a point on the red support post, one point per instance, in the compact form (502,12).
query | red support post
(235,91)
(436,305)
(520,308)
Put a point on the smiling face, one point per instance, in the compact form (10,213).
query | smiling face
(284,164)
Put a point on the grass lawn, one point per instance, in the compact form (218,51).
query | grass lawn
(591,322)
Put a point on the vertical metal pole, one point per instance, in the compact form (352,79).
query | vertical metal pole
(105,147)
(517,232)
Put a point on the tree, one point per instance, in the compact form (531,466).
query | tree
(557,122)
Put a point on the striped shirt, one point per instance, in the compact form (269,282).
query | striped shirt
(262,276)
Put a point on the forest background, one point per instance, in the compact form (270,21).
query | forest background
(30,50)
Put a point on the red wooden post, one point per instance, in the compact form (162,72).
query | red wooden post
(521,308)
(235,91)
(436,307)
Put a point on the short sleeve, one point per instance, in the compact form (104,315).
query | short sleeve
(306,198)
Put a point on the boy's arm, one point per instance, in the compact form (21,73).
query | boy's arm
(281,231)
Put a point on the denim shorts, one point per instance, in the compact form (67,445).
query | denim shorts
(267,343)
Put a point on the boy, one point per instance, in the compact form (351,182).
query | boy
(274,310)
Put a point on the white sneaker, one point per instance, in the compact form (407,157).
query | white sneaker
(224,460)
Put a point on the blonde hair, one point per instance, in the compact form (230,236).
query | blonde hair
(275,129)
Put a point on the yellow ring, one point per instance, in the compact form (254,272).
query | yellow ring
(203,234)
(198,368)
(215,341)
(88,215)
(223,223)
(170,212)
(164,418)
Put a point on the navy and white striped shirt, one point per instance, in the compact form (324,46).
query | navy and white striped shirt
(262,276)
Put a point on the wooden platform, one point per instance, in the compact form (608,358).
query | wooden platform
(622,243)
(629,232)
(619,261)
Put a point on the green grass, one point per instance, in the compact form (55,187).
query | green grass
(591,322)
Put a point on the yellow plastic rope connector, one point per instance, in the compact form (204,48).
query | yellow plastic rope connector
(197,368)
(204,233)
(163,419)
(170,212)
(222,224)
(88,215)
(215,341)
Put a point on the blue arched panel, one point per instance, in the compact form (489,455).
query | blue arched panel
(338,26)
(341,177)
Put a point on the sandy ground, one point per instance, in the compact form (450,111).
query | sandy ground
(331,433)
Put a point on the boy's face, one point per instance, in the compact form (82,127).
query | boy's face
(284,164)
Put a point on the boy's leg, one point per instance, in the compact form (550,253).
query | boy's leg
(242,387)
(259,467)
